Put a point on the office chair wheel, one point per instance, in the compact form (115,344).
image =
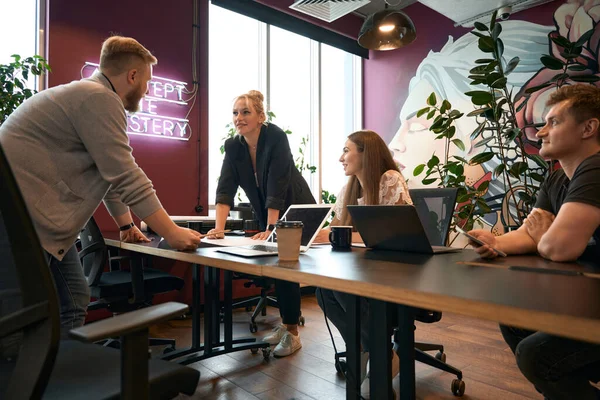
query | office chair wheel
(341,367)
(441,356)
(253,327)
(301,321)
(458,387)
(254,350)
(266,353)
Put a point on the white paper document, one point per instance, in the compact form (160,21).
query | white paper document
(233,241)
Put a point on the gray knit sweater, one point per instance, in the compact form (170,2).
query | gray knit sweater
(68,149)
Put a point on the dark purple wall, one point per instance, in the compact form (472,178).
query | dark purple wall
(76,32)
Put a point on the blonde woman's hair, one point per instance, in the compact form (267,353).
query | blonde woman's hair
(255,98)
(120,53)
(376,160)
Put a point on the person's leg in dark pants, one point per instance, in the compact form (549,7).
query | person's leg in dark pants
(559,368)
(72,288)
(287,337)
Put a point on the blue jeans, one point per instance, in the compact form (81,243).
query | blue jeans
(559,368)
(72,288)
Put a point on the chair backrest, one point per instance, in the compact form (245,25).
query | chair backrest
(93,253)
(29,316)
(435,208)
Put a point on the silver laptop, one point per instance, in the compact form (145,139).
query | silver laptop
(313,216)
(393,227)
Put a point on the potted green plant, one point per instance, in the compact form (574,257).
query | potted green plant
(13,82)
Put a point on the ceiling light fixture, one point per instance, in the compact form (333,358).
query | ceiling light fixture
(387,30)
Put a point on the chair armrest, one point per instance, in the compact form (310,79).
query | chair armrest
(127,323)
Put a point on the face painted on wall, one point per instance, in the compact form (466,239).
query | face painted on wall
(414,143)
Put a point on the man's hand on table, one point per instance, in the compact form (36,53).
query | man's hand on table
(486,237)
(133,235)
(183,239)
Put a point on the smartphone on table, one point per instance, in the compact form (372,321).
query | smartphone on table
(479,242)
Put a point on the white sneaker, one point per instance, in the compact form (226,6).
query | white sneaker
(365,388)
(364,360)
(289,344)
(274,337)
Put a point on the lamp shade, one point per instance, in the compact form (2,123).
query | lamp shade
(387,30)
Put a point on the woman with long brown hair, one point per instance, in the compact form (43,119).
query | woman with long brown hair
(374,179)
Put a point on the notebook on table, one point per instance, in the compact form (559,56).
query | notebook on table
(393,227)
(313,216)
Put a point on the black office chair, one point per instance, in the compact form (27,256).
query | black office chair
(34,362)
(260,303)
(436,209)
(120,290)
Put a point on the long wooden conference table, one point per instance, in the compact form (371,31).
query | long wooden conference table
(524,291)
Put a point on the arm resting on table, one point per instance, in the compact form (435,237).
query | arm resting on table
(130,322)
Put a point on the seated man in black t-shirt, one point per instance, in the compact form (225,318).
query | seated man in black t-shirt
(564,226)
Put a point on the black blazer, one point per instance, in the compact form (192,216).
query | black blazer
(279,181)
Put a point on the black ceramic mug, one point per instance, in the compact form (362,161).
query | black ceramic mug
(341,237)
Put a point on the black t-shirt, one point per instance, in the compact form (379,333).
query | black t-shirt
(583,188)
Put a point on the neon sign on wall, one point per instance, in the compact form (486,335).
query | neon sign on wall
(163,110)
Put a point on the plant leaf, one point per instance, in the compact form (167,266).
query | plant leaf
(485,141)
(458,143)
(419,169)
(481,158)
(486,44)
(445,106)
(431,100)
(496,31)
(586,78)
(536,88)
(538,160)
(499,170)
(422,111)
(584,38)
(512,64)
(480,26)
(551,62)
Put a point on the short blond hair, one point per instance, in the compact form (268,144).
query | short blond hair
(119,53)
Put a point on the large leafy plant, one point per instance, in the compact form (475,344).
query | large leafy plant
(498,132)
(449,171)
(13,82)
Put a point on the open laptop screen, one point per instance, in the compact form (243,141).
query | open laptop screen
(311,217)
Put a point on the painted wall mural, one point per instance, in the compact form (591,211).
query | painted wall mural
(446,72)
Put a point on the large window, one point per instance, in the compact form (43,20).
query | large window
(22,29)
(313,90)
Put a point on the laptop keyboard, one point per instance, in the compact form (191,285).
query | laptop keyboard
(262,247)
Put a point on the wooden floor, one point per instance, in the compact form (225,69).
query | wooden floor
(474,346)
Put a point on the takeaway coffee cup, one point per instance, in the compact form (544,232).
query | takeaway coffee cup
(289,235)
(340,237)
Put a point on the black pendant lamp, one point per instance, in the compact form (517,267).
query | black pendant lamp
(387,30)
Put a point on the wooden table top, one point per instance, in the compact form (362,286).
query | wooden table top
(456,282)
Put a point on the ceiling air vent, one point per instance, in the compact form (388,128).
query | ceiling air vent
(327,10)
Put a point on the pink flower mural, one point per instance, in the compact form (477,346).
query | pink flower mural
(577,21)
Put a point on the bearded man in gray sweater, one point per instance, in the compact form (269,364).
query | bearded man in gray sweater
(69,151)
